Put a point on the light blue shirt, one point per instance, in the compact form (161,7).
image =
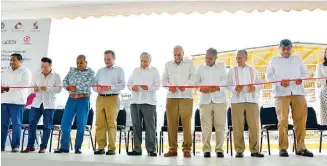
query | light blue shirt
(113,76)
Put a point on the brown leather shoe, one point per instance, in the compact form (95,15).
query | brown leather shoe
(28,149)
(42,150)
(187,155)
(170,154)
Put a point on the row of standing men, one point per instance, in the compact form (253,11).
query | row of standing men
(144,82)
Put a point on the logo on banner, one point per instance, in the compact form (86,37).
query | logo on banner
(18,27)
(27,40)
(35,27)
(3,25)
(9,42)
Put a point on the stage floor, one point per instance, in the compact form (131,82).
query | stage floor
(88,159)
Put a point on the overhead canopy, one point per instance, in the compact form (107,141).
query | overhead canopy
(28,9)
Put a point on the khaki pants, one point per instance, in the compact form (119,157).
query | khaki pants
(182,108)
(106,115)
(251,113)
(216,114)
(299,115)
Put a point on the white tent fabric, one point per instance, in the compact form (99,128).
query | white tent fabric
(27,9)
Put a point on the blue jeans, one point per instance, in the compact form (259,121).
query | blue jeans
(13,112)
(34,117)
(79,107)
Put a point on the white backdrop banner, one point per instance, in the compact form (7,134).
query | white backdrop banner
(29,38)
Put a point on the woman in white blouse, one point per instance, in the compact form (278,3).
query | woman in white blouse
(321,71)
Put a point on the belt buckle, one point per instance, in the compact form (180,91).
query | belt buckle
(77,96)
(74,96)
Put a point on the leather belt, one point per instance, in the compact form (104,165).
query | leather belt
(77,96)
(106,95)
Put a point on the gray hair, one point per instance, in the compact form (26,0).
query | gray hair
(244,51)
(145,54)
(81,56)
(212,51)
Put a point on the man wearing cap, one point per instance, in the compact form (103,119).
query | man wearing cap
(287,93)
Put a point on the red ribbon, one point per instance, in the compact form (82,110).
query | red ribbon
(184,86)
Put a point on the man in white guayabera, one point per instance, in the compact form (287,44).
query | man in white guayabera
(144,82)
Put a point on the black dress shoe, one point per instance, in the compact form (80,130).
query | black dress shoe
(2,150)
(134,153)
(78,151)
(239,155)
(305,152)
(14,150)
(207,155)
(152,154)
(283,153)
(220,154)
(110,152)
(99,152)
(257,155)
(61,151)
